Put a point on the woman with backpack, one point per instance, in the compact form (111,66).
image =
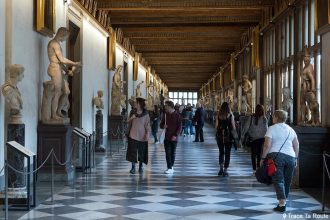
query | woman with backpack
(225,126)
(255,128)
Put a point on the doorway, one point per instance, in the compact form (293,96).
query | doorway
(74,54)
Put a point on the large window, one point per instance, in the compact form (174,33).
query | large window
(183,98)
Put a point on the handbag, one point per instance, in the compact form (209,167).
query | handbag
(268,169)
(262,174)
(162,135)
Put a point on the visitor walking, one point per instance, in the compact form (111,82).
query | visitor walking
(173,130)
(139,129)
(225,126)
(281,144)
(254,132)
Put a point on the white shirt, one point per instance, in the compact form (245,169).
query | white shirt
(278,134)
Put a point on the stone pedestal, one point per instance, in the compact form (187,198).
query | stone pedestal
(58,137)
(99,132)
(16,132)
(115,127)
(313,141)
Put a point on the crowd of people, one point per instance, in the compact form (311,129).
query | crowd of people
(278,141)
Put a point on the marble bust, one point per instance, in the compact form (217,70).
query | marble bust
(97,101)
(12,94)
(55,102)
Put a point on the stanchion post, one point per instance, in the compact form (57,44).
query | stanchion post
(52,189)
(323,181)
(323,211)
(6,187)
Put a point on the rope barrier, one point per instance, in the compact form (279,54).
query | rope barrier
(312,154)
(69,160)
(43,163)
(325,164)
(33,171)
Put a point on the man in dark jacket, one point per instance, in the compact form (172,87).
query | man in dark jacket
(173,130)
(199,123)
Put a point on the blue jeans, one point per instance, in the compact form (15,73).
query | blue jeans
(188,129)
(154,129)
(283,176)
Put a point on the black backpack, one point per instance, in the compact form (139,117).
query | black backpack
(224,131)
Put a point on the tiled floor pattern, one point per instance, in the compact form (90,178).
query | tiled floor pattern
(194,191)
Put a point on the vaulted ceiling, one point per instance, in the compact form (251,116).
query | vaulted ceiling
(185,41)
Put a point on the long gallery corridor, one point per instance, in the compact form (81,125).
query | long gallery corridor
(194,191)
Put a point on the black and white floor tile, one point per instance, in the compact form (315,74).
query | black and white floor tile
(193,192)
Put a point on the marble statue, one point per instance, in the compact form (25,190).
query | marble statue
(123,99)
(116,91)
(244,106)
(308,91)
(97,101)
(12,94)
(247,92)
(268,109)
(287,100)
(235,105)
(55,102)
(138,90)
(150,101)
(314,108)
(162,98)
(217,102)
(156,98)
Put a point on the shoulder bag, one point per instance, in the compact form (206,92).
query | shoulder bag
(267,170)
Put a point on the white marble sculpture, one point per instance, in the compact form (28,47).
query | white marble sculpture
(150,99)
(55,102)
(287,100)
(138,93)
(97,101)
(244,106)
(12,94)
(247,92)
(116,90)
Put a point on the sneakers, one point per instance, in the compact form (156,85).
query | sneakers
(254,173)
(279,208)
(157,142)
(169,171)
(220,172)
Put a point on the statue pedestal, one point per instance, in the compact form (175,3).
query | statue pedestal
(313,141)
(59,138)
(115,127)
(16,181)
(99,132)
(16,132)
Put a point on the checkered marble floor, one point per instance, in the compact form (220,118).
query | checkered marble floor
(194,191)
